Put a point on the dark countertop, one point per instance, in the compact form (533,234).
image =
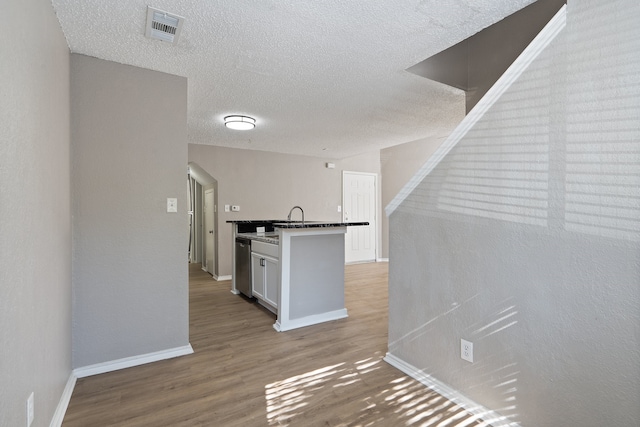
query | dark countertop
(254,221)
(278,223)
(316,224)
(273,236)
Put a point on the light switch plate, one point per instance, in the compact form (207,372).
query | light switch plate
(227,208)
(172,204)
(235,208)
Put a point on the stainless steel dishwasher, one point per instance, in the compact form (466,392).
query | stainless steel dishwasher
(243,266)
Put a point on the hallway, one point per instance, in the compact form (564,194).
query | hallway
(244,373)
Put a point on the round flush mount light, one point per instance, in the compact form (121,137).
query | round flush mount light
(240,122)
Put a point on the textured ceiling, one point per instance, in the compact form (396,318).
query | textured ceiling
(322,78)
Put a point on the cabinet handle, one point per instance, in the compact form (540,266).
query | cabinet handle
(262,262)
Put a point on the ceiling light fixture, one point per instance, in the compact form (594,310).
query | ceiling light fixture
(240,122)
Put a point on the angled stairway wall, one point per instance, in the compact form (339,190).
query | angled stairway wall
(475,63)
(522,235)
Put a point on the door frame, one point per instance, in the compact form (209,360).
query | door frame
(211,269)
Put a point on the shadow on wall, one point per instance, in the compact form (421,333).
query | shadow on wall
(596,192)
(503,379)
(547,222)
(525,239)
(531,157)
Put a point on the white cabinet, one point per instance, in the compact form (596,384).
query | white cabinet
(257,275)
(265,272)
(271,281)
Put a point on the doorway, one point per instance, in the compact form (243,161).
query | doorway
(195,199)
(359,201)
(205,220)
(209,232)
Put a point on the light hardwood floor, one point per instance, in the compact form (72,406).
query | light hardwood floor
(244,373)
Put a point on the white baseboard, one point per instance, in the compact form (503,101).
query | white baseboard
(366,261)
(128,362)
(63,404)
(222,278)
(283,325)
(382,260)
(489,416)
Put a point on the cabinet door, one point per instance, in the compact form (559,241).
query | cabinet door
(272,281)
(257,275)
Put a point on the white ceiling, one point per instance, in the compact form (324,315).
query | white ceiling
(322,77)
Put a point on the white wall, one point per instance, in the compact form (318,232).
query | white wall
(525,239)
(35,225)
(267,185)
(129,154)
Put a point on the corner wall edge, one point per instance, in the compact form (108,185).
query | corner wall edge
(63,404)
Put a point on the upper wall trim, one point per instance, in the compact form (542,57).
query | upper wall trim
(539,44)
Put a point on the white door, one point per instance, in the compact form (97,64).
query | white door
(359,204)
(209,231)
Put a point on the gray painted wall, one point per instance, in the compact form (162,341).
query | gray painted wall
(267,185)
(316,275)
(525,240)
(35,204)
(129,153)
(398,165)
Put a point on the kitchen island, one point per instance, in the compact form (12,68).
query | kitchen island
(307,275)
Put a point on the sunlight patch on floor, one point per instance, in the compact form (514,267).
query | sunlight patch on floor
(287,398)
(412,403)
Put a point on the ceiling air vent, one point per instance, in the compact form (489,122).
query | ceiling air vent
(163,25)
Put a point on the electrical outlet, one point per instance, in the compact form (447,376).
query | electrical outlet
(172,204)
(466,350)
(30,410)
(339,208)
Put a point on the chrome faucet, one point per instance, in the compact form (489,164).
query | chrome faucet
(301,211)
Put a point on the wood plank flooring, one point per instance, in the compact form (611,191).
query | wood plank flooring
(244,373)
